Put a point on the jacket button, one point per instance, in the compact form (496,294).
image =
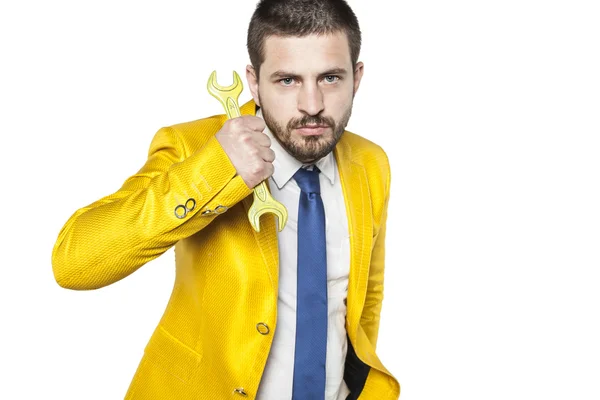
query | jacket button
(190,204)
(262,328)
(180,211)
(220,209)
(206,212)
(240,391)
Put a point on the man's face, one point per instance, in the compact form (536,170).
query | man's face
(305,92)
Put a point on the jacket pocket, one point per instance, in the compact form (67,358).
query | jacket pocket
(171,355)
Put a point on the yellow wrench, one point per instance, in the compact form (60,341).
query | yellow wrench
(263,201)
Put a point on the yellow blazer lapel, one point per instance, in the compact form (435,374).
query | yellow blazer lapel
(360,226)
(357,198)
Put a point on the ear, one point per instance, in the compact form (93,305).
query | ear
(358,73)
(252,83)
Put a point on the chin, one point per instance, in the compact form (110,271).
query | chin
(310,149)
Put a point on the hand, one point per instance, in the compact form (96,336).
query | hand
(248,148)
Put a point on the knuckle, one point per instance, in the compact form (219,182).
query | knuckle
(236,123)
(257,170)
(245,137)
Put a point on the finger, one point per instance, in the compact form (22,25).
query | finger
(262,139)
(267,154)
(254,123)
(270,169)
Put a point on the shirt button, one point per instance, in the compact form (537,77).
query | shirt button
(262,328)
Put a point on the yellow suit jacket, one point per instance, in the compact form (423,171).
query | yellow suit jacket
(213,339)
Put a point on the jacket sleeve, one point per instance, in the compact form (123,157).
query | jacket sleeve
(114,236)
(374,296)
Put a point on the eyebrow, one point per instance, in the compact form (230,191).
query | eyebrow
(285,74)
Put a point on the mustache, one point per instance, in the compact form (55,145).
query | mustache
(311,120)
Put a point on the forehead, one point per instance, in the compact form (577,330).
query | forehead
(308,53)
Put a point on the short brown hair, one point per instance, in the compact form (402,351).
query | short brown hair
(301,18)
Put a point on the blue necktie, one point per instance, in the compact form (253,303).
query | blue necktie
(311,306)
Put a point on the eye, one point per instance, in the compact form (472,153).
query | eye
(287,81)
(331,78)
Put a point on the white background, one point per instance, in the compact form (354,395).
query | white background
(489,111)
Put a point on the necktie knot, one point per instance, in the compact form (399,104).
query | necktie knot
(308,180)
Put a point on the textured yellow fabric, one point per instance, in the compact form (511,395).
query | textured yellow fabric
(207,343)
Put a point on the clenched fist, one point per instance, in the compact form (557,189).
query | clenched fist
(248,148)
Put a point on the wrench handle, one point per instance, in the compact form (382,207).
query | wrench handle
(232,108)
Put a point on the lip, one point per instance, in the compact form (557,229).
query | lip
(313,131)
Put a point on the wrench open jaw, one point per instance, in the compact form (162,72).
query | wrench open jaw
(263,201)
(227,95)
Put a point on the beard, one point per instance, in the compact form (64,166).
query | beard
(307,149)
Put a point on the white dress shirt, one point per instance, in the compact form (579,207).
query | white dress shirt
(278,376)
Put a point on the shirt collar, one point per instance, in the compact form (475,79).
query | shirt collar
(285,165)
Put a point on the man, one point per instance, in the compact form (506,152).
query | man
(266,315)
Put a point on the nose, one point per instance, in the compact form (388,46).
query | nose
(310,99)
